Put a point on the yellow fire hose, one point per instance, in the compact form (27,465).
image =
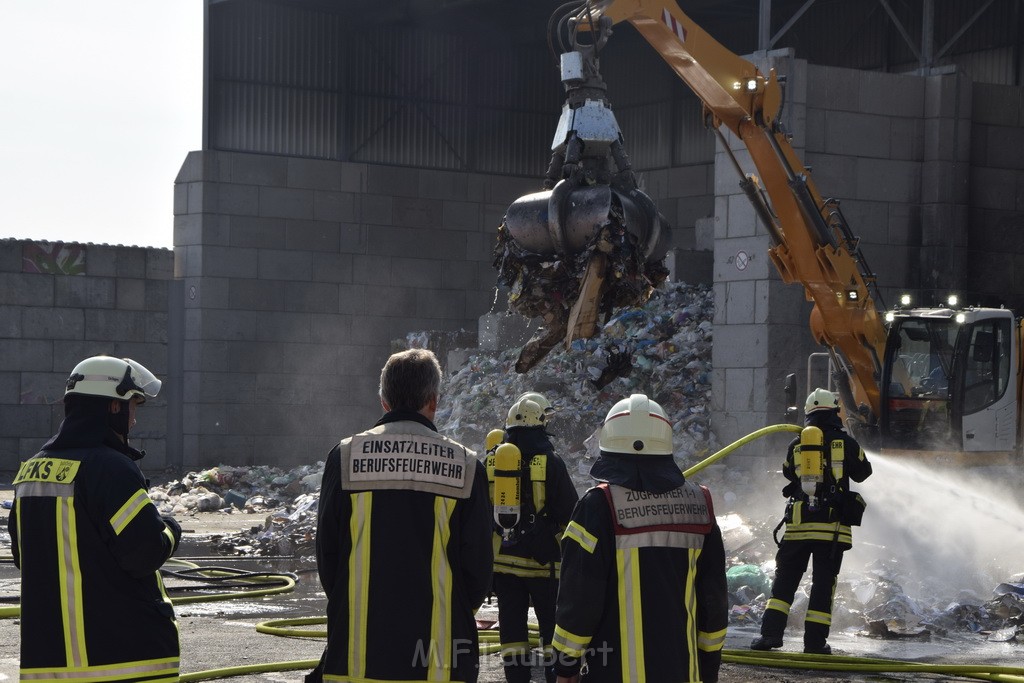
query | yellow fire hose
(715,457)
(286,581)
(490,643)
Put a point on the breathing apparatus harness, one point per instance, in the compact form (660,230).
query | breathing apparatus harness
(813,464)
(516,516)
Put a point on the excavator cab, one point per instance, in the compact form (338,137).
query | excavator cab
(949,381)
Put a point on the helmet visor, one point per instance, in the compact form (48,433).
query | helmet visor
(138,381)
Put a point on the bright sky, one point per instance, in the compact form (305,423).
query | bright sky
(100,102)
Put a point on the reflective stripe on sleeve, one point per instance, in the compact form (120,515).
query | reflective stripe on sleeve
(577,533)
(129,510)
(569,643)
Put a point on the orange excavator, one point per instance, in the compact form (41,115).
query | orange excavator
(942,382)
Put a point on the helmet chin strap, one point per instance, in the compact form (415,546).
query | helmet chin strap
(119,421)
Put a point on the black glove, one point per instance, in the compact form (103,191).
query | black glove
(175,528)
(793,490)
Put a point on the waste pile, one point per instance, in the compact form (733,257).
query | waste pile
(288,497)
(662,349)
(253,489)
(287,531)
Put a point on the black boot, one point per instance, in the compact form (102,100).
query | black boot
(765,643)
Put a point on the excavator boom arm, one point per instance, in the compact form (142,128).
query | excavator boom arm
(811,244)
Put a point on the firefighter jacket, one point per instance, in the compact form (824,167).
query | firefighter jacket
(836,508)
(643,593)
(403,550)
(548,500)
(90,543)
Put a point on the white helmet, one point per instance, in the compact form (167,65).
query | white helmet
(118,378)
(526,413)
(636,425)
(820,399)
(540,400)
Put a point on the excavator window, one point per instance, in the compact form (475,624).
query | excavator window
(916,405)
(987,365)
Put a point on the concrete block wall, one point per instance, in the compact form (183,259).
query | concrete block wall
(298,276)
(996,248)
(60,303)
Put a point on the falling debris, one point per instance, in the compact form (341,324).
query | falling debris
(610,273)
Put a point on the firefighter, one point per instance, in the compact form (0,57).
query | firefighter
(643,593)
(90,543)
(527,553)
(403,544)
(821,511)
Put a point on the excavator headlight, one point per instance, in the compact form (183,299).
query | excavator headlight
(961,318)
(751,85)
(852,295)
(889,316)
(905,300)
(952,300)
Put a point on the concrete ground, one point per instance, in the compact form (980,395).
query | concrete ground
(222,634)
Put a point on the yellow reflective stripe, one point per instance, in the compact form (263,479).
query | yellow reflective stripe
(819,531)
(528,573)
(691,614)
(778,605)
(569,643)
(818,617)
(128,511)
(521,562)
(70,573)
(439,664)
(359,580)
(577,533)
(337,678)
(511,649)
(838,458)
(538,475)
(170,537)
(631,628)
(107,672)
(21,550)
(711,642)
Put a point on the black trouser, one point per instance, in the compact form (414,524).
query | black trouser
(790,565)
(515,593)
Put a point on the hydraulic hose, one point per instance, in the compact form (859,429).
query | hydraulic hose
(715,457)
